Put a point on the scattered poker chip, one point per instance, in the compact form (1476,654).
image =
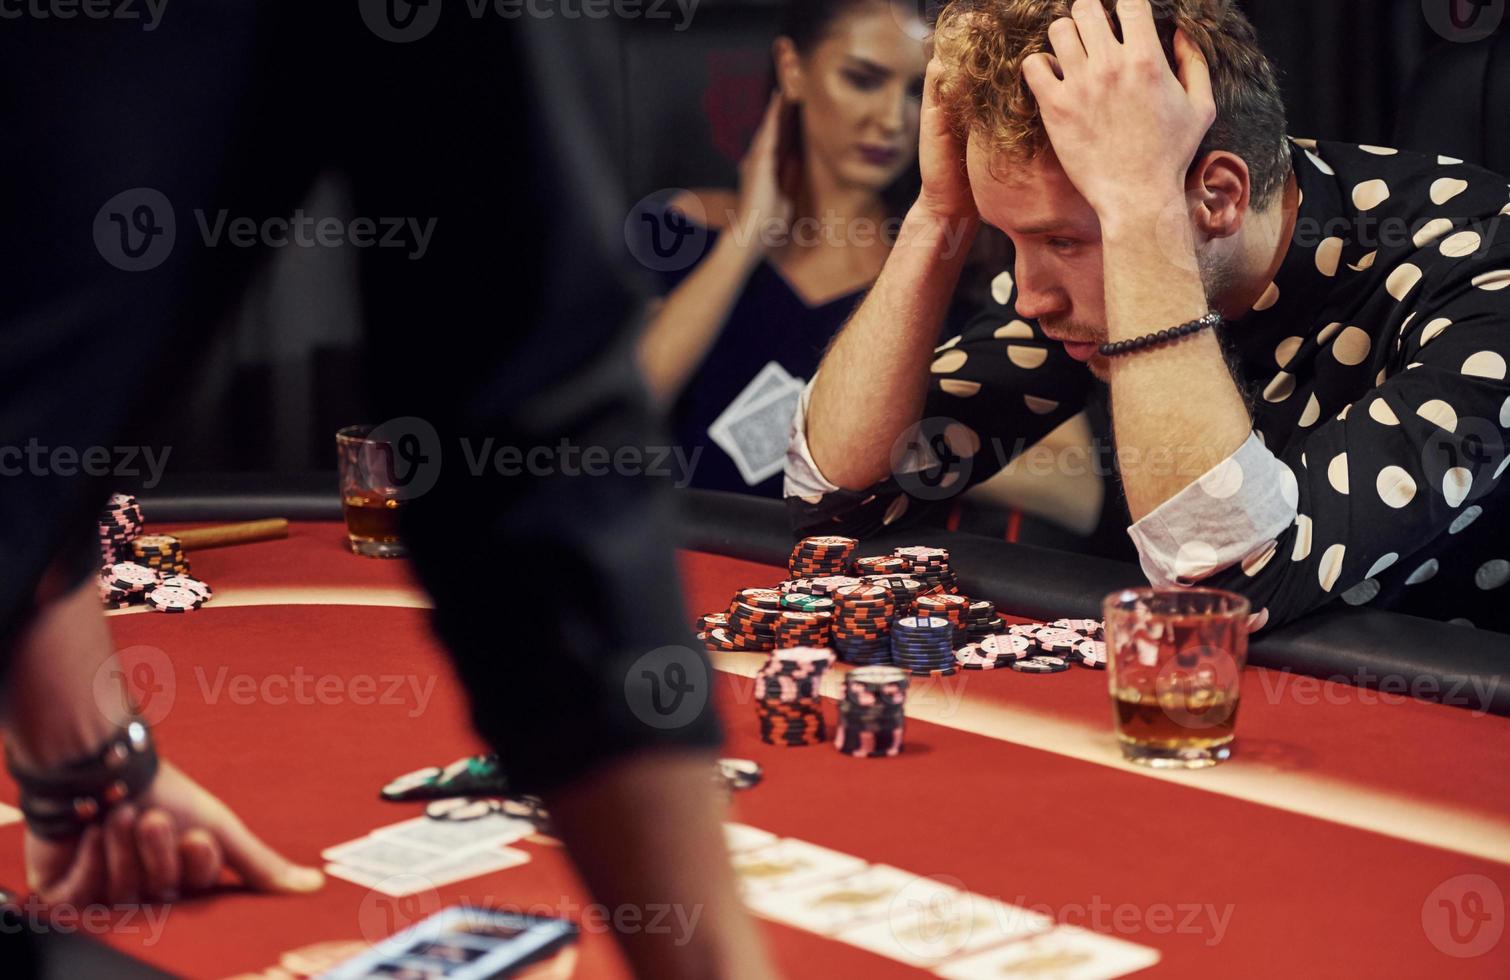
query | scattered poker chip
(972,657)
(1057,642)
(739,773)
(1006,646)
(1041,665)
(1092,629)
(1092,654)
(473,775)
(173,599)
(403,786)
(192,584)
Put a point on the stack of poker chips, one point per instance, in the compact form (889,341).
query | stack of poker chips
(872,717)
(160,552)
(882,565)
(139,569)
(923,645)
(119,524)
(807,602)
(904,591)
(947,605)
(981,621)
(1002,650)
(862,624)
(751,622)
(803,629)
(929,566)
(128,583)
(787,701)
(813,557)
(823,585)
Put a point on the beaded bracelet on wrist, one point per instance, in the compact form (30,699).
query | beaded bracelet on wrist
(1123,347)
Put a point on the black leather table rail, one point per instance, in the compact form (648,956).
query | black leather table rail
(1399,654)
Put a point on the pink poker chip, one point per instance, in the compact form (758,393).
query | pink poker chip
(1006,645)
(130,576)
(1092,654)
(173,599)
(192,584)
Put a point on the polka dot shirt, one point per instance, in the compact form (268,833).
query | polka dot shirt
(1375,367)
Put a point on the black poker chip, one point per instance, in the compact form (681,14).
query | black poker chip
(1041,665)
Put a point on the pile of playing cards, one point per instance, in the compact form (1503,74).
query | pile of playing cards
(421,854)
(921,921)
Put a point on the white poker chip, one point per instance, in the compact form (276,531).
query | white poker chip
(172,599)
(192,584)
(1092,654)
(1089,628)
(972,657)
(129,575)
(1006,645)
(1057,642)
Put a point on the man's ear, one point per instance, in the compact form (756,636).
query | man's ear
(789,75)
(1220,193)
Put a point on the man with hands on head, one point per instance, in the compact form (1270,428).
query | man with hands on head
(1303,344)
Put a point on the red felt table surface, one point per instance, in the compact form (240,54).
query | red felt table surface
(1300,895)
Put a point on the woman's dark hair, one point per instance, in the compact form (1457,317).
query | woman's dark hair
(807,23)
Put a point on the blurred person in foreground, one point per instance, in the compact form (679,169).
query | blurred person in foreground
(506,325)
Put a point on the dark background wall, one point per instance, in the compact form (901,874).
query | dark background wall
(277,381)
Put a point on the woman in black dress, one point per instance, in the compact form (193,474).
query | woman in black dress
(789,254)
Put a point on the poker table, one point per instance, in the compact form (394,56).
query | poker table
(1355,829)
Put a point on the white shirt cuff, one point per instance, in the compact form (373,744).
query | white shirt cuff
(803,478)
(1235,512)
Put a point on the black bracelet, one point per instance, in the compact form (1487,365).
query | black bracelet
(1121,347)
(61,801)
